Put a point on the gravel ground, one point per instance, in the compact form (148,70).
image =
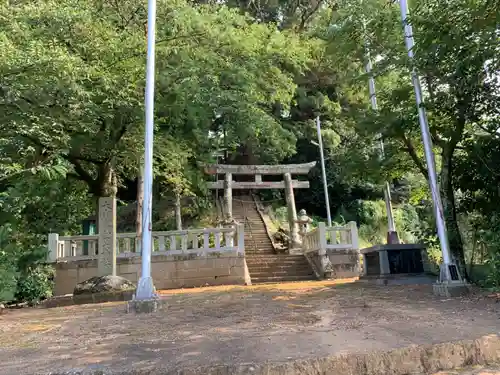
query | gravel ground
(479,370)
(241,325)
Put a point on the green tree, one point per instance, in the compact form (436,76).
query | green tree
(456,54)
(72,83)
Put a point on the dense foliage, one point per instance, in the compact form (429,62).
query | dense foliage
(248,78)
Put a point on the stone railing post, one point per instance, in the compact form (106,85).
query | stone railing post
(229,236)
(240,233)
(326,264)
(322,238)
(106,262)
(354,235)
(303,221)
(53,245)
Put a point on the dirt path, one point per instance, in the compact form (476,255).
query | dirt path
(239,325)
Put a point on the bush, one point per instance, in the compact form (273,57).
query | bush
(35,284)
(8,266)
(8,283)
(23,276)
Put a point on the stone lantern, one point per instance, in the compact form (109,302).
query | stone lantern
(303,222)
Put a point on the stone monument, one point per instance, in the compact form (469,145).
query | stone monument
(106,263)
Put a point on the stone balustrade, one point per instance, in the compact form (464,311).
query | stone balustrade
(332,238)
(333,251)
(183,242)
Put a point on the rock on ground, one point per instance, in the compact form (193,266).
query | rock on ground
(102,284)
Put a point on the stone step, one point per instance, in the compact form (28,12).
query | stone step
(257,251)
(272,263)
(281,257)
(277,279)
(278,267)
(275,265)
(259,275)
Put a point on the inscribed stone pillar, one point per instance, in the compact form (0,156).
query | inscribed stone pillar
(106,263)
(228,195)
(292,212)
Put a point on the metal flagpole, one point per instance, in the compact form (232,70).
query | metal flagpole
(449,271)
(145,287)
(392,236)
(323,171)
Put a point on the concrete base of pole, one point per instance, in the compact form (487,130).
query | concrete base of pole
(393,238)
(448,290)
(145,306)
(450,282)
(145,289)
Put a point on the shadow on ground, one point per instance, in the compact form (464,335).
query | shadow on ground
(275,323)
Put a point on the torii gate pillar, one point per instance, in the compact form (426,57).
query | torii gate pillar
(258,171)
(292,212)
(228,196)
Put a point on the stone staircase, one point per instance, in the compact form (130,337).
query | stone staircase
(264,265)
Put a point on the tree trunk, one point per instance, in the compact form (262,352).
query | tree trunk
(473,252)
(450,211)
(178,213)
(140,202)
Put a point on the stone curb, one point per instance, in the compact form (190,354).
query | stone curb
(84,299)
(422,359)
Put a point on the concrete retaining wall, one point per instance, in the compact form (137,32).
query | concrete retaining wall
(168,271)
(412,360)
(346,263)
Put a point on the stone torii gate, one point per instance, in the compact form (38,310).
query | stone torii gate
(258,171)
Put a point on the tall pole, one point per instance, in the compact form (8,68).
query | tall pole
(427,141)
(392,236)
(323,171)
(145,287)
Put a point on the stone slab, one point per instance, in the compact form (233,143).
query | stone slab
(393,247)
(405,280)
(85,299)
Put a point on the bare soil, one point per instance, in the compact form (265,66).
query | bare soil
(478,370)
(277,323)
